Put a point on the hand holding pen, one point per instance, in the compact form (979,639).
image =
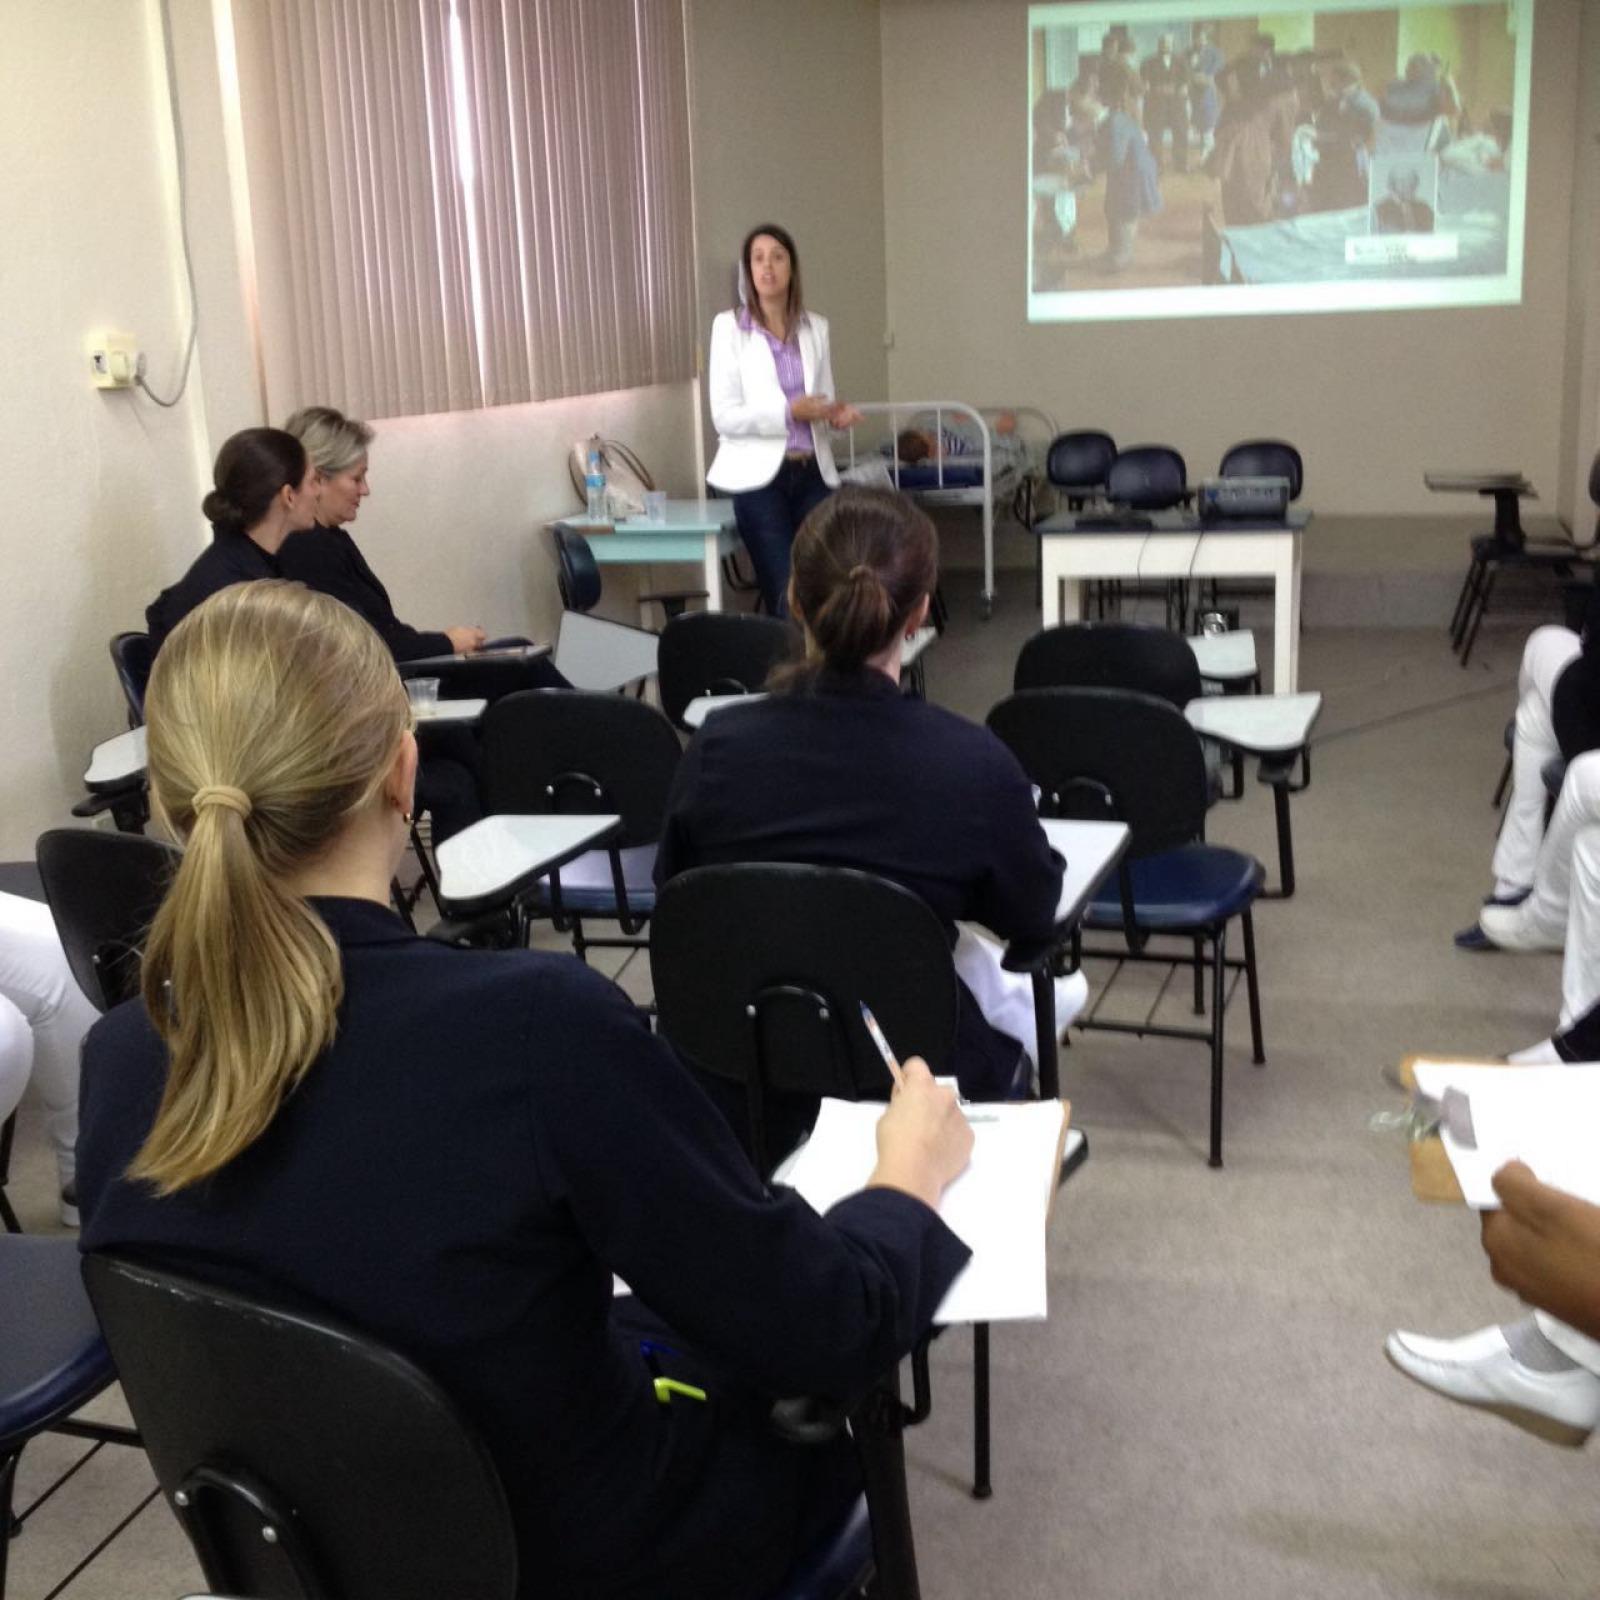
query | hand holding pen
(924,1142)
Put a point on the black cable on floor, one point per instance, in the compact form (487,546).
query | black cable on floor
(72,1576)
(1410,713)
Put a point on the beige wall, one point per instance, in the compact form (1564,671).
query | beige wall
(1580,434)
(102,484)
(788,128)
(1372,399)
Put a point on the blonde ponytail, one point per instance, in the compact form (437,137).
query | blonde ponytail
(274,714)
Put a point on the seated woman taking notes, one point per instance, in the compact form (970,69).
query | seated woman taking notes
(838,768)
(454,1150)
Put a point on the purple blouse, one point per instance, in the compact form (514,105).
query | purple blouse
(791,378)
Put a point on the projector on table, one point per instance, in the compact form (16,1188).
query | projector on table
(1244,499)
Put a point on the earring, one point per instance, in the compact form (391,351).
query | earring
(407,817)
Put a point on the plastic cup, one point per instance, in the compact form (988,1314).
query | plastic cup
(655,505)
(423,693)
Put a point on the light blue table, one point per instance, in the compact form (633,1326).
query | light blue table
(697,531)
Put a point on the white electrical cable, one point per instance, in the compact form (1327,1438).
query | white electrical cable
(183,221)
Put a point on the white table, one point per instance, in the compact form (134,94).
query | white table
(698,531)
(1226,657)
(487,865)
(703,705)
(451,711)
(1174,545)
(1274,726)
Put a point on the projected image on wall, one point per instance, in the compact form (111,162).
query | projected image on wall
(1210,158)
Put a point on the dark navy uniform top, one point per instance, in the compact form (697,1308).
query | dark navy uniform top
(230,558)
(490,1136)
(848,772)
(329,561)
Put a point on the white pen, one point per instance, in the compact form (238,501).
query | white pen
(876,1035)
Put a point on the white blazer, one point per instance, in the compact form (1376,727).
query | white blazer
(748,409)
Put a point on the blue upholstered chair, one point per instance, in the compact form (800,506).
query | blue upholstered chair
(52,1358)
(1113,754)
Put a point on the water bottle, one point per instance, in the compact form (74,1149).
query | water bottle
(594,484)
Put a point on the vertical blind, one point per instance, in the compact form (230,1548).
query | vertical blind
(469,202)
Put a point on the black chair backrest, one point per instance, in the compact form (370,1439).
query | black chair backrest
(577,572)
(103,890)
(132,658)
(1149,477)
(489,678)
(260,1417)
(1110,655)
(571,752)
(1081,461)
(1594,479)
(1265,458)
(760,971)
(1110,755)
(718,652)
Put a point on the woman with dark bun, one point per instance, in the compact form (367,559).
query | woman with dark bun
(838,768)
(265,488)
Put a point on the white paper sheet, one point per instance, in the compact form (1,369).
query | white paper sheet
(1548,1117)
(998,1206)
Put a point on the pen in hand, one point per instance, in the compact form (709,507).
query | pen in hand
(875,1033)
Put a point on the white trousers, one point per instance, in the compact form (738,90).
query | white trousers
(39,992)
(1006,998)
(1549,905)
(1573,1345)
(1544,659)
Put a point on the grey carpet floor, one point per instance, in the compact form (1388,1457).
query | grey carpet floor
(1207,1411)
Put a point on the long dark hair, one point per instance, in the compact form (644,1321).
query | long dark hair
(862,563)
(795,306)
(251,468)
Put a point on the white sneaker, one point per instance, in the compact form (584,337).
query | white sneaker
(1512,928)
(69,1206)
(1480,1370)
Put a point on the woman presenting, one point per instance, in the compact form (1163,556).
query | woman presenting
(772,404)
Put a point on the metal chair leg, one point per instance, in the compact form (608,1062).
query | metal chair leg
(982,1487)
(1485,592)
(1252,988)
(1199,975)
(1501,787)
(1044,1020)
(1458,616)
(9,1526)
(1219,976)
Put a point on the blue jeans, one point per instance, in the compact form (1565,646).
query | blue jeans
(768,518)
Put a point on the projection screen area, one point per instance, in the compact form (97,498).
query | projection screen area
(1203,158)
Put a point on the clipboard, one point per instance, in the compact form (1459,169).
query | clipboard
(1433,1180)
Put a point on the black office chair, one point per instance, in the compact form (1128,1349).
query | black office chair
(760,971)
(132,658)
(1112,754)
(1148,477)
(564,751)
(1265,458)
(1508,548)
(578,578)
(303,1458)
(52,1359)
(1078,464)
(719,652)
(103,890)
(1110,655)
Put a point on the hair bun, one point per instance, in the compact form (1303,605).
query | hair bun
(220,511)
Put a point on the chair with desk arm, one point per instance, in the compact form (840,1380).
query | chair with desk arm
(551,751)
(303,1457)
(720,653)
(1114,754)
(1509,548)
(759,972)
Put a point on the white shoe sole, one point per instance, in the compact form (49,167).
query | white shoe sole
(1552,1431)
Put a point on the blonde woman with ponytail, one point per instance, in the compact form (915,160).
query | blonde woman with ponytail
(455,1149)
(840,768)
